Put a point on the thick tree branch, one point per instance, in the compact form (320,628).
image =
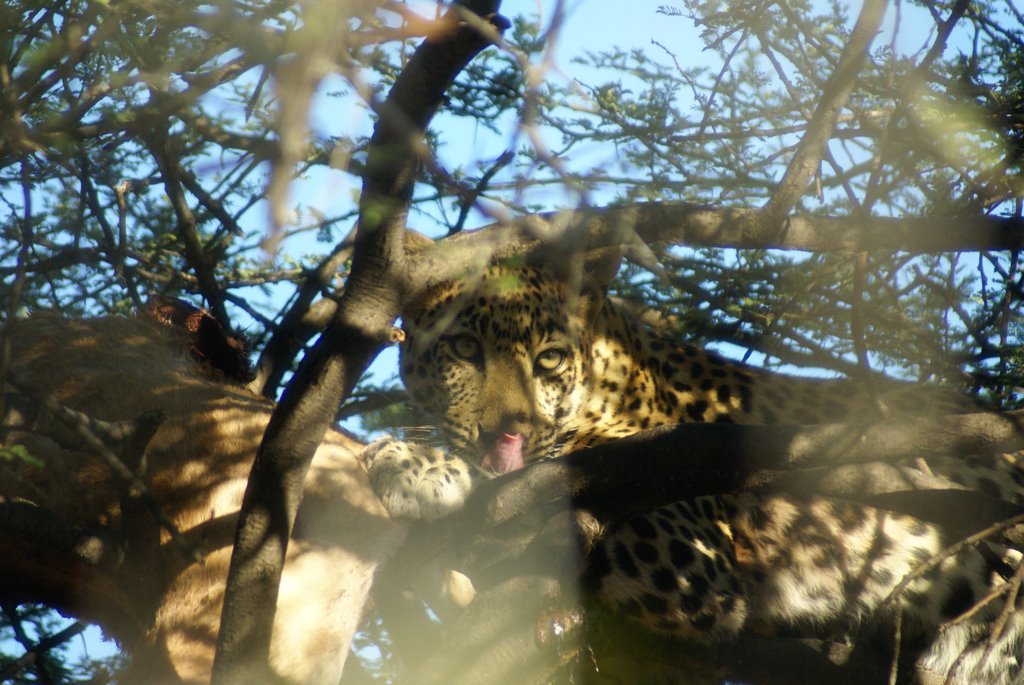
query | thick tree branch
(294,329)
(360,327)
(705,226)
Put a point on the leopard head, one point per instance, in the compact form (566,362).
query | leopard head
(502,361)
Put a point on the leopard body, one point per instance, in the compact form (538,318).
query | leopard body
(517,365)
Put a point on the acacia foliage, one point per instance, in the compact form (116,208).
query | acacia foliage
(148,147)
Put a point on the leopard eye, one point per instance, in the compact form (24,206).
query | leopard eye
(465,347)
(550,360)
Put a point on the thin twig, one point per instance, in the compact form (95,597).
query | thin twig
(33,652)
(837,89)
(98,436)
(948,552)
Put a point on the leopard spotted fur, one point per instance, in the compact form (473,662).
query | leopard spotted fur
(517,365)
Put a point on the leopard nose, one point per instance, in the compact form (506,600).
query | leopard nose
(516,424)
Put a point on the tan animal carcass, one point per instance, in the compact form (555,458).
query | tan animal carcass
(70,537)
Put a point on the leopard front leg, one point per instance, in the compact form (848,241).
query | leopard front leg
(415,481)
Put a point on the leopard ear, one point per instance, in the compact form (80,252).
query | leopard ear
(598,268)
(416,242)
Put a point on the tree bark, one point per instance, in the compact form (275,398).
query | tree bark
(707,226)
(361,326)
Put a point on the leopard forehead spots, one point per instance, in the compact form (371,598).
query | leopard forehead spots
(506,354)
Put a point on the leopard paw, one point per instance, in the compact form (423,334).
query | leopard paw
(414,481)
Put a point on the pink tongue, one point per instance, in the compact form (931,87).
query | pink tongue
(506,454)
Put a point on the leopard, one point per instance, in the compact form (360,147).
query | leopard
(526,362)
